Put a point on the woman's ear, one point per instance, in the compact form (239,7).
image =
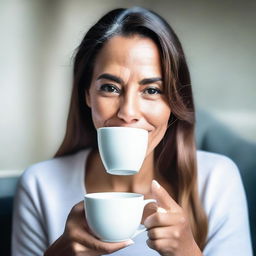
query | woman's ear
(87,98)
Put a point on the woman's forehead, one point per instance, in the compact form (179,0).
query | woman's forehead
(126,54)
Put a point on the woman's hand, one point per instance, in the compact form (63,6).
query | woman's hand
(78,240)
(169,231)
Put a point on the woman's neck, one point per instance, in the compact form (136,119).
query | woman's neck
(98,180)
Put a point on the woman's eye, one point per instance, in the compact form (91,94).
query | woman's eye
(109,88)
(153,91)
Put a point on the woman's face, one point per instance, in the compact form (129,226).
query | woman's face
(127,87)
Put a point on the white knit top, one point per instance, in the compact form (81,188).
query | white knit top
(48,190)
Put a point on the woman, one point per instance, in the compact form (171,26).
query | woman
(130,70)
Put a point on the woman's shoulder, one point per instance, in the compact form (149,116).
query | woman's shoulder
(215,165)
(218,179)
(55,169)
(216,174)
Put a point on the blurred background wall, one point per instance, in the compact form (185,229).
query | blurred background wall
(38,39)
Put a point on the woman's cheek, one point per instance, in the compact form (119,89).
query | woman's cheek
(157,114)
(103,110)
(158,117)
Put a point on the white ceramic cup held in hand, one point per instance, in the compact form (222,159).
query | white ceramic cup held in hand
(115,216)
(122,149)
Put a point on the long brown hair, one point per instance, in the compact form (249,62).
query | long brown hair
(175,156)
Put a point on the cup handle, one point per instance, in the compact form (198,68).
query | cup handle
(147,201)
(138,231)
(142,227)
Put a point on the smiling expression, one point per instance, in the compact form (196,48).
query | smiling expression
(127,87)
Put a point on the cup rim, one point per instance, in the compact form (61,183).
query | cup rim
(110,195)
(120,127)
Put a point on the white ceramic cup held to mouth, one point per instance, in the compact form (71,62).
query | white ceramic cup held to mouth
(122,149)
(115,216)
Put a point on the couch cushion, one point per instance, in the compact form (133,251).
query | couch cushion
(7,190)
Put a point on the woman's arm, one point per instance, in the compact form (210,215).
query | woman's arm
(225,203)
(28,234)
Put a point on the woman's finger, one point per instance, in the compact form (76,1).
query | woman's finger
(84,237)
(163,199)
(112,247)
(170,232)
(159,219)
(163,246)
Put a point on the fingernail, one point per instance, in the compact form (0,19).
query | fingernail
(155,184)
(146,223)
(161,210)
(129,242)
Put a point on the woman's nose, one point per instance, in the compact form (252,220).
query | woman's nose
(129,110)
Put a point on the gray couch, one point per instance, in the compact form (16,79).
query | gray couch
(211,136)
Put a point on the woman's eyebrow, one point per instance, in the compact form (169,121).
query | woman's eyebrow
(111,77)
(120,80)
(150,80)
